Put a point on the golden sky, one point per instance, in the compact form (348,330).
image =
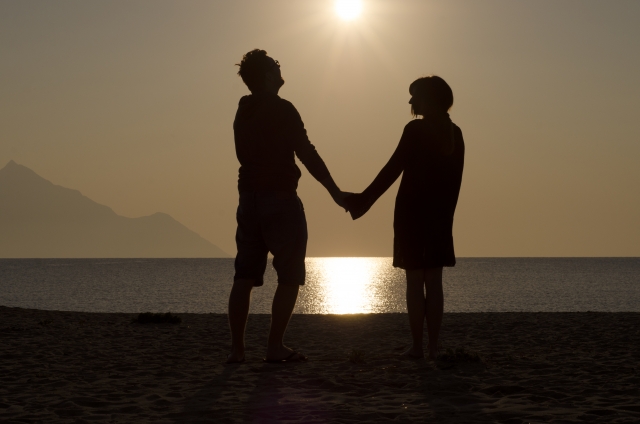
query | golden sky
(132,103)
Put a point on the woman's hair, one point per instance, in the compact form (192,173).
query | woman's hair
(434,92)
(437,97)
(253,69)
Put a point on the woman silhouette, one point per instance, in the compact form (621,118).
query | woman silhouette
(430,156)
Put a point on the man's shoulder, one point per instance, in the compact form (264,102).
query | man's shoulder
(264,97)
(285,104)
(286,109)
(270,105)
(274,101)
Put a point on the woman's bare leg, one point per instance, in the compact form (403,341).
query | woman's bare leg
(434,307)
(416,309)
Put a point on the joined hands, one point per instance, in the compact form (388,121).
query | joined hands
(354,203)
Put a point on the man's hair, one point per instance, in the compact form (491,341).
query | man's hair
(253,69)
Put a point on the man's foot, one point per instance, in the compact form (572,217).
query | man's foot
(413,353)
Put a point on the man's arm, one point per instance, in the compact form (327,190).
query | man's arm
(306,152)
(316,167)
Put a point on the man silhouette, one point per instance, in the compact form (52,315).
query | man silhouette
(268,132)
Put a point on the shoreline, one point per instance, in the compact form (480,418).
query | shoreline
(65,311)
(58,366)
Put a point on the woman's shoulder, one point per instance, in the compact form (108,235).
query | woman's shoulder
(415,128)
(457,131)
(420,128)
(414,125)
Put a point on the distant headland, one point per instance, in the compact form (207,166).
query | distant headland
(39,219)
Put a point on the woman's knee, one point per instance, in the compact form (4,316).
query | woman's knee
(415,279)
(433,279)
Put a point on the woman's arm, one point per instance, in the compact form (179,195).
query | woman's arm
(359,204)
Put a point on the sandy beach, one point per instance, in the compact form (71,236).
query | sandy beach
(71,367)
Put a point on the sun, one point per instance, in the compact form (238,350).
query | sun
(348,9)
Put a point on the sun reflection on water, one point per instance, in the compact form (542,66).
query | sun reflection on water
(345,285)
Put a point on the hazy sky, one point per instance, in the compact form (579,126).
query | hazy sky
(132,103)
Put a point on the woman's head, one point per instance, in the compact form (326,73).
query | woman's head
(430,94)
(431,98)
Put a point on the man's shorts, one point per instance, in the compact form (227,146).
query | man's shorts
(271,221)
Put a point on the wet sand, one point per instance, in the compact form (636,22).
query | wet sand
(70,367)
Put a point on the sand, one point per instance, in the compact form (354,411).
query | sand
(70,367)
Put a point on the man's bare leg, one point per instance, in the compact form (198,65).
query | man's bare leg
(239,301)
(283,303)
(416,309)
(435,307)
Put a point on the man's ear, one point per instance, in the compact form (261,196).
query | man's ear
(268,78)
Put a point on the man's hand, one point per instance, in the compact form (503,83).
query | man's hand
(339,197)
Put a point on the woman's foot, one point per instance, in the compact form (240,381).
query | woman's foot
(231,360)
(433,353)
(293,357)
(283,353)
(236,356)
(413,353)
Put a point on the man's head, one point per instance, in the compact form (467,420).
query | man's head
(260,72)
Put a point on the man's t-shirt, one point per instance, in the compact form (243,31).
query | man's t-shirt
(268,131)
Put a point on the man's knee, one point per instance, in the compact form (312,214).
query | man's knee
(289,288)
(244,284)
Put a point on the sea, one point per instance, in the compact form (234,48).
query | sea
(333,285)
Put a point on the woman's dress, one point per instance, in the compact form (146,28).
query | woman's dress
(426,200)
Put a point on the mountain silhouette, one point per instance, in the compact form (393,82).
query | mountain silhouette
(39,219)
